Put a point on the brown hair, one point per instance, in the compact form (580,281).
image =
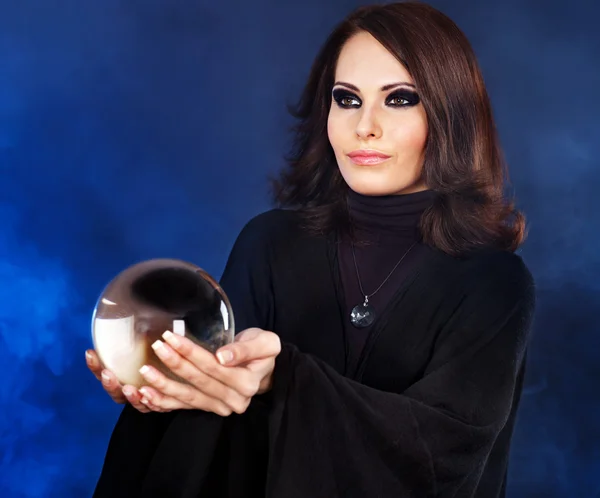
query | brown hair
(463,161)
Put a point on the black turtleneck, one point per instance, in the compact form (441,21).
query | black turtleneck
(385,227)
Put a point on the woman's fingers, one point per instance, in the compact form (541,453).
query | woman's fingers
(200,367)
(112,386)
(154,401)
(121,394)
(212,386)
(202,389)
(166,394)
(159,402)
(109,381)
(134,397)
(251,344)
(93,363)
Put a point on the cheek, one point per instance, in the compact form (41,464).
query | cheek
(412,137)
(336,130)
(331,129)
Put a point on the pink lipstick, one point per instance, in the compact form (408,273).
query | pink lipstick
(366,157)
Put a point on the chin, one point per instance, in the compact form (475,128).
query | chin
(382,179)
(386,188)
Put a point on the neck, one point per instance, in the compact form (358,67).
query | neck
(389,219)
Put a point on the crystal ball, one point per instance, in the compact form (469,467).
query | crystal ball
(144,301)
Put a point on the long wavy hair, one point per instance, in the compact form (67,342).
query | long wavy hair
(463,161)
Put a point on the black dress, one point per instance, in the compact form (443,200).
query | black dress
(428,411)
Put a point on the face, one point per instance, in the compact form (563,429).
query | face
(377,126)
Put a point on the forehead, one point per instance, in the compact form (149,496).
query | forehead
(365,62)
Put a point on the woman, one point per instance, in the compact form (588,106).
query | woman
(386,313)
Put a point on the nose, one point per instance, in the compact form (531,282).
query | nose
(368,125)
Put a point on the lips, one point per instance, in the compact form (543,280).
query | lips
(367,157)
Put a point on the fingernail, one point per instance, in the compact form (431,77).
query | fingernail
(160,349)
(127,391)
(225,356)
(105,376)
(172,339)
(145,395)
(88,356)
(148,373)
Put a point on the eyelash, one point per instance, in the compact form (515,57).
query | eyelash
(411,99)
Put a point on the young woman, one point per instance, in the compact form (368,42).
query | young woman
(386,313)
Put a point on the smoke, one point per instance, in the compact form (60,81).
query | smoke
(35,299)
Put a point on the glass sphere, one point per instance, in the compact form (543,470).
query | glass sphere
(144,301)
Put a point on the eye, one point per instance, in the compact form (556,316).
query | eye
(398,101)
(403,98)
(345,99)
(348,101)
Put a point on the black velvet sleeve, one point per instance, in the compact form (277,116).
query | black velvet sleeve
(332,436)
(247,276)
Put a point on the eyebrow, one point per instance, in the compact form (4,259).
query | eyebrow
(384,88)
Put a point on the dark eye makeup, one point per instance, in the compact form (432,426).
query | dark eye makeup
(345,99)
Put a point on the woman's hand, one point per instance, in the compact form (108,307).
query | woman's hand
(222,384)
(120,394)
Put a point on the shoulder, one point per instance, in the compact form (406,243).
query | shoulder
(271,222)
(269,230)
(271,225)
(256,247)
(492,275)
(483,294)
(501,267)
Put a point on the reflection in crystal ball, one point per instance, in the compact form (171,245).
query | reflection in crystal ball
(144,301)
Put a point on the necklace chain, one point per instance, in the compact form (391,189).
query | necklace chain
(367,296)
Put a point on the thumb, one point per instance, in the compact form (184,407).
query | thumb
(248,334)
(251,344)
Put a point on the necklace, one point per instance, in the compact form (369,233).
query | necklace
(363,315)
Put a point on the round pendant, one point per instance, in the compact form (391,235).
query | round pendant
(362,315)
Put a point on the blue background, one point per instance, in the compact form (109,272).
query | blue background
(146,128)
